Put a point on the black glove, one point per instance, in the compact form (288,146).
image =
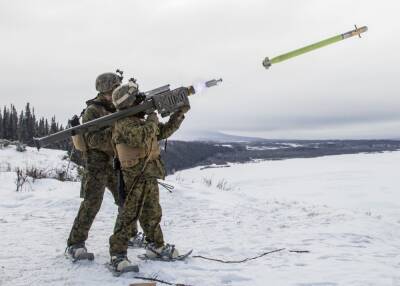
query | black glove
(152,117)
(184,109)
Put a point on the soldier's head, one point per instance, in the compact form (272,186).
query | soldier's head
(125,95)
(107,82)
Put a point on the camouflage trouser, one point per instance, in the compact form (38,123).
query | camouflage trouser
(142,201)
(93,187)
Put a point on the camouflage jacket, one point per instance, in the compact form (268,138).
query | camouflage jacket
(140,133)
(100,151)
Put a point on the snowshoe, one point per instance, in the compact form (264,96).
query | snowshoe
(138,241)
(78,252)
(120,264)
(167,252)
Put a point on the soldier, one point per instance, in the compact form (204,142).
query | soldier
(136,140)
(99,172)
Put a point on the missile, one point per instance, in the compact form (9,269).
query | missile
(201,86)
(212,82)
(356,32)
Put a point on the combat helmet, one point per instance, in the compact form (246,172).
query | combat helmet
(106,82)
(125,95)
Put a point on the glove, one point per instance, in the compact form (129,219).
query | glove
(181,112)
(108,132)
(184,109)
(152,117)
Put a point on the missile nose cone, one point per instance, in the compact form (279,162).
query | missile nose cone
(361,30)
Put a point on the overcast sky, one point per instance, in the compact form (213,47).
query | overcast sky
(52,51)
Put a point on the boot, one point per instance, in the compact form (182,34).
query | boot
(138,241)
(165,252)
(121,263)
(79,252)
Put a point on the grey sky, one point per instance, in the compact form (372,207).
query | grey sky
(51,52)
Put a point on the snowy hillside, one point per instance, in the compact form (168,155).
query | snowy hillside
(344,209)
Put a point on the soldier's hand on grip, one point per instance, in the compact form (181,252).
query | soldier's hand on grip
(152,117)
(184,109)
(108,131)
(180,114)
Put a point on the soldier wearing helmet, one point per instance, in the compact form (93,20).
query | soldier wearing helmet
(107,82)
(136,141)
(99,173)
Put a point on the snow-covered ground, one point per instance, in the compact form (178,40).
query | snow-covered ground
(344,209)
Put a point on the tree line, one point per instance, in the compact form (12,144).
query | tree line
(23,126)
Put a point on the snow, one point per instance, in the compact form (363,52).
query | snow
(344,209)
(293,145)
(277,147)
(225,145)
(263,148)
(48,160)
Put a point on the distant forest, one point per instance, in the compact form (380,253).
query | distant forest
(23,125)
(179,155)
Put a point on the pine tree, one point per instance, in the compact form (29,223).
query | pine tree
(14,123)
(34,123)
(46,127)
(41,131)
(53,125)
(29,125)
(21,130)
(5,123)
(10,123)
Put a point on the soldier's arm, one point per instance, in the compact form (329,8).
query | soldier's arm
(173,124)
(138,134)
(96,139)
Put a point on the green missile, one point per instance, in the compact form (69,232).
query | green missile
(356,32)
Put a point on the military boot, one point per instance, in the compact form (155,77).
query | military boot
(138,241)
(121,264)
(165,252)
(78,252)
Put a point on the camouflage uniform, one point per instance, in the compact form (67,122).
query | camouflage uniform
(142,199)
(98,172)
